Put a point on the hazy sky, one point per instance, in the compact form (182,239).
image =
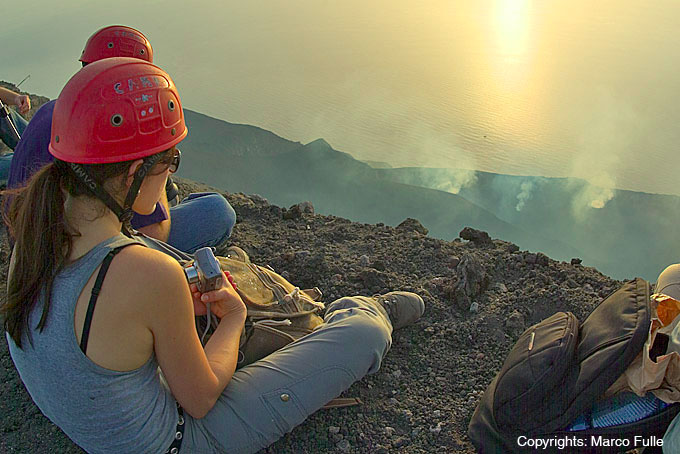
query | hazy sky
(557,88)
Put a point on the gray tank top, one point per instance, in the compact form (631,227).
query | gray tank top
(102,410)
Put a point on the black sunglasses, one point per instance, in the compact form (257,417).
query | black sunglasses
(171,162)
(176,158)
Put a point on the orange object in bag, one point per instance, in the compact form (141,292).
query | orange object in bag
(667,309)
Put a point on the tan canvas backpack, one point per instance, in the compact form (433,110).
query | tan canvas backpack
(278,312)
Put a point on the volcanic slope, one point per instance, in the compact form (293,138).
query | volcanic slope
(480,295)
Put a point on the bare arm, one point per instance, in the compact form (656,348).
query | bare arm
(222,351)
(196,376)
(15,99)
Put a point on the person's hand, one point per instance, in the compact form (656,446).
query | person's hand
(23,102)
(224,301)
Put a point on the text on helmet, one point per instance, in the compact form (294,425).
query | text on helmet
(139,83)
(127,34)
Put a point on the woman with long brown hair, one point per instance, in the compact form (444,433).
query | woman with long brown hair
(108,348)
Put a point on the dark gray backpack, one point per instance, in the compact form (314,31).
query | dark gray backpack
(556,372)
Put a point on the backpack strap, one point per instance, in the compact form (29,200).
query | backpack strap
(95,294)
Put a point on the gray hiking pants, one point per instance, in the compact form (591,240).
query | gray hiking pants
(267,399)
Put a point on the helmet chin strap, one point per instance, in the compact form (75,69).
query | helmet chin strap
(141,172)
(125,212)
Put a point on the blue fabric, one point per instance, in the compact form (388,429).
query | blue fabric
(5,162)
(202,219)
(102,410)
(9,139)
(7,134)
(32,153)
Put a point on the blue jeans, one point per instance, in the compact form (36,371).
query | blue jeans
(8,138)
(202,219)
(267,399)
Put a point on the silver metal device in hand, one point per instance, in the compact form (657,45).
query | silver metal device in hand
(205,271)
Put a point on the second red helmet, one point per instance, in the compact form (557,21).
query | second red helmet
(117,41)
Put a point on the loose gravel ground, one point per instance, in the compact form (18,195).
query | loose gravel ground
(480,294)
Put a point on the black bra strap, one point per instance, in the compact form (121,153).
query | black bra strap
(95,294)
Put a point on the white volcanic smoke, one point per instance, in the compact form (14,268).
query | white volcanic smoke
(593,194)
(609,129)
(455,180)
(526,188)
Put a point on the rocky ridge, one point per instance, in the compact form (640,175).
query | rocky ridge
(480,294)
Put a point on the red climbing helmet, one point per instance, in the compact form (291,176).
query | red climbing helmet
(117,41)
(114,110)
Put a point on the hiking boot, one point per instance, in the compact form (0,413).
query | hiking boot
(236,253)
(403,308)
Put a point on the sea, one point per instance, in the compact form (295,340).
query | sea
(565,88)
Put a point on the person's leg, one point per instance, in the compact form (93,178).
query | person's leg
(267,399)
(19,122)
(6,133)
(5,162)
(202,219)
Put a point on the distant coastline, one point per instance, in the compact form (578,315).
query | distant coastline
(622,233)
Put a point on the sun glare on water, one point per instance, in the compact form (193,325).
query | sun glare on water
(512,27)
(510,73)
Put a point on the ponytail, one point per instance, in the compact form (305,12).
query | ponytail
(36,221)
(44,239)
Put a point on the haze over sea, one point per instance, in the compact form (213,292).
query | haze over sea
(553,88)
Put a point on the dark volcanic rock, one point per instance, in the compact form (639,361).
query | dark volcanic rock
(296,211)
(512,247)
(412,225)
(436,371)
(542,259)
(453,261)
(515,324)
(374,280)
(472,280)
(476,236)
